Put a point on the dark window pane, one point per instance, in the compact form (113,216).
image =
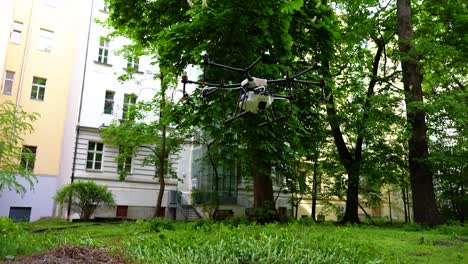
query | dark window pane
(98,157)
(90,156)
(99,146)
(91,146)
(41,94)
(89,165)
(34,92)
(97,165)
(109,95)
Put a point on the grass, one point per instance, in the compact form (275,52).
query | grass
(205,242)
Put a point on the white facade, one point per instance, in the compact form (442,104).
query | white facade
(86,115)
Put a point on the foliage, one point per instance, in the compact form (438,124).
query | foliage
(14,124)
(263,215)
(159,224)
(236,221)
(271,243)
(12,237)
(85,197)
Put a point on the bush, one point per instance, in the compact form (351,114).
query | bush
(159,224)
(202,225)
(264,215)
(306,221)
(12,238)
(236,221)
(85,196)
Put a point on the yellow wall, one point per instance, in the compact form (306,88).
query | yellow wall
(56,66)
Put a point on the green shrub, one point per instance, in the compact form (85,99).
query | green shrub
(306,221)
(13,239)
(236,221)
(202,225)
(413,227)
(158,224)
(85,196)
(264,215)
(453,230)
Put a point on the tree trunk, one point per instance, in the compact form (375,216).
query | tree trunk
(263,187)
(162,155)
(162,170)
(314,187)
(403,192)
(352,200)
(421,175)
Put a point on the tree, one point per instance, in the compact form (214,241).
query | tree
(441,40)
(421,173)
(154,135)
(357,75)
(85,197)
(184,33)
(14,124)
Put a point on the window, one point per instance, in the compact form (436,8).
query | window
(125,165)
(20,214)
(94,158)
(103,51)
(46,39)
(133,63)
(8,82)
(15,36)
(109,103)
(129,101)
(28,157)
(38,88)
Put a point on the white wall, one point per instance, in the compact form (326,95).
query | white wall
(100,78)
(40,199)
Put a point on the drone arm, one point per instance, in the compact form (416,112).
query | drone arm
(320,83)
(216,85)
(229,68)
(304,72)
(253,64)
(291,80)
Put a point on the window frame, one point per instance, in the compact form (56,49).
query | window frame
(109,101)
(127,165)
(16,32)
(37,87)
(46,40)
(11,82)
(25,162)
(133,63)
(103,52)
(127,104)
(94,153)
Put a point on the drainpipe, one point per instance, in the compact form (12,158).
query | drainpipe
(25,57)
(72,178)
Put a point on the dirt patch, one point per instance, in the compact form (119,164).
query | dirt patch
(71,255)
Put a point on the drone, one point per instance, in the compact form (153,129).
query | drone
(255,97)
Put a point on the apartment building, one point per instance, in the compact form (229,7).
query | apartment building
(38,47)
(100,100)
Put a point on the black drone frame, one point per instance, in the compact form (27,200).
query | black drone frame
(209,88)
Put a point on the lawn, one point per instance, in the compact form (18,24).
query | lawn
(204,242)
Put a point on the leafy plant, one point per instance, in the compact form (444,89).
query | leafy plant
(85,197)
(14,124)
(159,224)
